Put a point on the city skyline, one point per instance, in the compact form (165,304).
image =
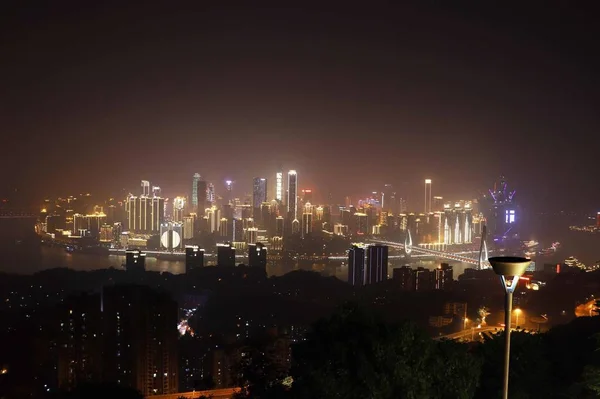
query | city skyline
(351,98)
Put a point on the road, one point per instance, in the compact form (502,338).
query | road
(585,309)
(467,333)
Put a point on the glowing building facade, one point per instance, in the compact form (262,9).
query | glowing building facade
(292,197)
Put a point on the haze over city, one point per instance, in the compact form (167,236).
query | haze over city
(288,201)
(354,97)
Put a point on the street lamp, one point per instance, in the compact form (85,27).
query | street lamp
(517,312)
(510,269)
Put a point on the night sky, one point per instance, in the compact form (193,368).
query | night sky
(97,98)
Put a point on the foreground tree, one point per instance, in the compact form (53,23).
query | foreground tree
(354,355)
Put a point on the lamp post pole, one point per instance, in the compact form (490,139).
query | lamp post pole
(507,316)
(510,269)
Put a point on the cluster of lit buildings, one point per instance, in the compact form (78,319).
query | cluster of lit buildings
(593,228)
(259,218)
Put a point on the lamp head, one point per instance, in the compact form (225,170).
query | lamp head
(509,265)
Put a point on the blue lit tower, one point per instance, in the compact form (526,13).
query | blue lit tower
(502,213)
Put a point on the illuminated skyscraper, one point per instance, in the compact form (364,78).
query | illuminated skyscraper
(145,214)
(361,223)
(223,228)
(188,227)
(195,192)
(259,195)
(377,264)
(145,188)
(292,198)
(356,266)
(279,187)
(228,197)
(251,235)
(178,208)
(427,196)
(306,224)
(210,194)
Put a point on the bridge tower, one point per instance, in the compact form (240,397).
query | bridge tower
(408,242)
(483,251)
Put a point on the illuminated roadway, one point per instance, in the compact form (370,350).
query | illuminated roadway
(470,332)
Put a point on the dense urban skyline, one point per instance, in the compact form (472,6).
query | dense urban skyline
(353,98)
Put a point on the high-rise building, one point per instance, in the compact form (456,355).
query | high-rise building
(145,188)
(171,236)
(377,264)
(194,258)
(340,229)
(188,227)
(443,276)
(195,192)
(427,196)
(88,225)
(279,226)
(257,256)
(225,255)
(80,342)
(404,276)
(106,233)
(224,228)
(598,220)
(210,194)
(423,279)
(178,209)
(438,204)
(356,266)
(279,187)
(135,260)
(145,214)
(295,226)
(307,195)
(292,198)
(361,223)
(259,195)
(140,339)
(214,216)
(228,197)
(306,224)
(237,230)
(251,235)
(388,199)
